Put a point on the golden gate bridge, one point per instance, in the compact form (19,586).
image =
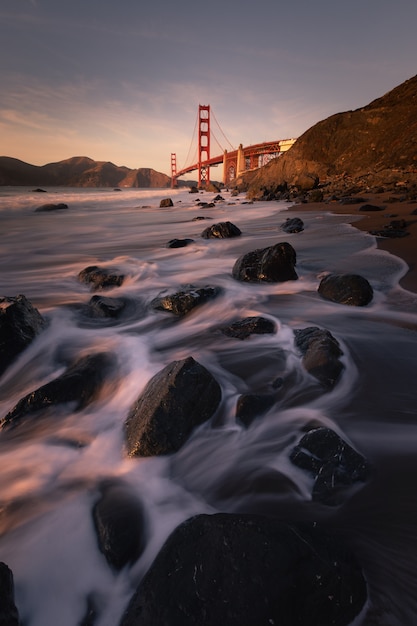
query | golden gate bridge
(234,161)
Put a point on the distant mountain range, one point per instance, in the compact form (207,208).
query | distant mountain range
(79,172)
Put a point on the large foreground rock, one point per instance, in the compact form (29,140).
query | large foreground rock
(79,385)
(273,264)
(176,400)
(247,570)
(321,354)
(20,323)
(350,289)
(8,611)
(119,522)
(334,464)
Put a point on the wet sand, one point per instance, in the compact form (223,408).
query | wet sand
(392,209)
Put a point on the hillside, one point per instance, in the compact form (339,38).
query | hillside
(78,172)
(370,146)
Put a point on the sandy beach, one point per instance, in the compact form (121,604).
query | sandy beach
(393,208)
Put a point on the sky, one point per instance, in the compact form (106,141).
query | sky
(121,80)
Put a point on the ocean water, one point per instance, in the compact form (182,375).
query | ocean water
(52,470)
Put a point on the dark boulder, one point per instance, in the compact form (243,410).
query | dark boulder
(119,522)
(249,570)
(321,354)
(8,612)
(334,464)
(176,400)
(179,243)
(20,323)
(102,307)
(273,264)
(350,289)
(250,406)
(222,230)
(242,329)
(79,384)
(166,202)
(51,207)
(293,225)
(218,198)
(183,302)
(100,278)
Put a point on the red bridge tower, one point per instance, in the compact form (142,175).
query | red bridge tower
(203,145)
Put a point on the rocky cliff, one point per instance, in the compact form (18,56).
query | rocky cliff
(78,172)
(367,147)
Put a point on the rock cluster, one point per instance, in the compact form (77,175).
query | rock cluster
(257,569)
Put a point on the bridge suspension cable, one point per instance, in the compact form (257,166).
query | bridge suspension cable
(221,130)
(189,161)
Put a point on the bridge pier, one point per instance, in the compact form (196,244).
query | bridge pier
(241,165)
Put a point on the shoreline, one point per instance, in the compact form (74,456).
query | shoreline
(393,209)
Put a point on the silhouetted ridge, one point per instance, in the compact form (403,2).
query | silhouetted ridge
(377,142)
(79,171)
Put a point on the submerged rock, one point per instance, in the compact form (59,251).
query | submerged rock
(256,325)
(371,207)
(176,400)
(250,406)
(20,323)
(222,230)
(183,302)
(334,464)
(100,278)
(321,354)
(249,570)
(119,522)
(102,307)
(79,384)
(51,207)
(166,202)
(179,243)
(350,289)
(273,264)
